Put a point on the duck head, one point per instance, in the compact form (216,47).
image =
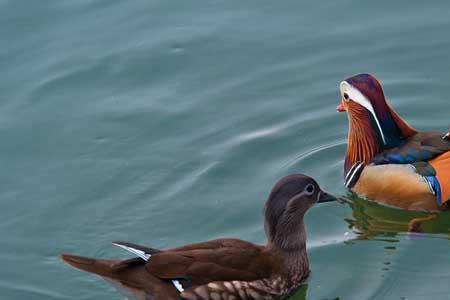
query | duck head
(373,125)
(288,202)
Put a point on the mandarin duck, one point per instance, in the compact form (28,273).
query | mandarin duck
(387,160)
(223,269)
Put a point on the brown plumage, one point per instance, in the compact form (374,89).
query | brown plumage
(223,269)
(362,139)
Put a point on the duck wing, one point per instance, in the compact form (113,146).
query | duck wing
(420,148)
(217,260)
(184,271)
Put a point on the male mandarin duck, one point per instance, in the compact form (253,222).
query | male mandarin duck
(387,160)
(223,269)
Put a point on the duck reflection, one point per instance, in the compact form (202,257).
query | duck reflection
(371,219)
(300,293)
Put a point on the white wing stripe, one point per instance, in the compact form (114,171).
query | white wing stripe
(347,184)
(140,253)
(178,285)
(146,257)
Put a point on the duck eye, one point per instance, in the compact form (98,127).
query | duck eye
(309,189)
(346,97)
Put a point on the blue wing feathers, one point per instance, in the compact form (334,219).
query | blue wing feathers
(421,147)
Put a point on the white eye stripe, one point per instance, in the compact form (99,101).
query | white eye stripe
(359,98)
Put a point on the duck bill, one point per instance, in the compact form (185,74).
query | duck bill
(340,107)
(325,197)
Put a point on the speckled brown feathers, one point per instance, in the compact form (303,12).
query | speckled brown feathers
(362,144)
(223,269)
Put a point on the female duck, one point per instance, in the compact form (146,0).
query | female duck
(387,160)
(223,269)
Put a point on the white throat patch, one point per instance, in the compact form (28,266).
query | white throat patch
(359,98)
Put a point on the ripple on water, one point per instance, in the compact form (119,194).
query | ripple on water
(165,123)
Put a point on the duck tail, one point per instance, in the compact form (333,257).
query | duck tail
(101,267)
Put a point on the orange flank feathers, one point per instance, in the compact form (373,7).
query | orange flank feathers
(442,166)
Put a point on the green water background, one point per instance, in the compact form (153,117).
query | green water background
(167,122)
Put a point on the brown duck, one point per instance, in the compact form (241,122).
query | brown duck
(223,269)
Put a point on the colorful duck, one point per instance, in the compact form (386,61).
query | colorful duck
(223,269)
(387,160)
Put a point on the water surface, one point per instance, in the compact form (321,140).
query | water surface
(167,122)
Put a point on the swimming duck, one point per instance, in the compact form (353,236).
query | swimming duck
(223,269)
(387,160)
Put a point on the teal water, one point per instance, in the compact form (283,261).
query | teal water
(167,122)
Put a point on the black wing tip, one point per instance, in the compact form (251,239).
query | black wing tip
(120,243)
